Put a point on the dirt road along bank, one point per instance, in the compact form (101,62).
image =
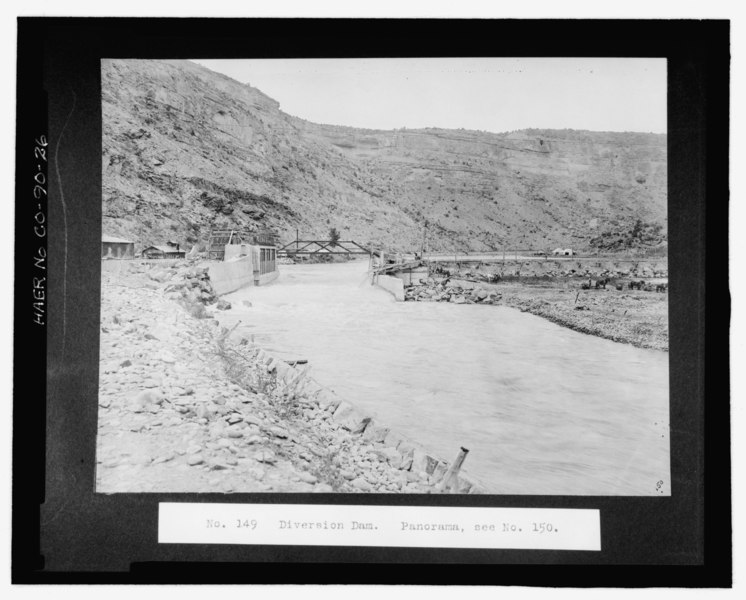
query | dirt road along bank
(185,406)
(630,316)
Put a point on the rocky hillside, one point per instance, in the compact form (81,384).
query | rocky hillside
(186,149)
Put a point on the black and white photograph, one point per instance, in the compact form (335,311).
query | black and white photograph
(372,301)
(384,275)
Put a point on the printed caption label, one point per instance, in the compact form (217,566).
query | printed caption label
(389,526)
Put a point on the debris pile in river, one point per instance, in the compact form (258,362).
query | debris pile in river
(457,291)
(190,286)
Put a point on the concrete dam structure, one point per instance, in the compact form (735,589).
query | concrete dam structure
(244,265)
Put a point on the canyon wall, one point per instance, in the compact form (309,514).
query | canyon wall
(186,150)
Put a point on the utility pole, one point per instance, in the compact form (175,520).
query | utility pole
(424,240)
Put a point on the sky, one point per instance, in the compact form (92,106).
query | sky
(489,94)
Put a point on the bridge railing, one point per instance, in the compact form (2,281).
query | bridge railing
(311,247)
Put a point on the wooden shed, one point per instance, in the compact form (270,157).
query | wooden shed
(163,252)
(113,247)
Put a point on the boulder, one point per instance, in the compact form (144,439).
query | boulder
(147,398)
(406,450)
(175,287)
(463,484)
(307,477)
(256,473)
(278,432)
(362,485)
(265,456)
(375,433)
(159,276)
(327,400)
(392,439)
(166,356)
(164,458)
(348,417)
(195,459)
(205,410)
(440,470)
(217,465)
(423,462)
(251,419)
(461,283)
(390,455)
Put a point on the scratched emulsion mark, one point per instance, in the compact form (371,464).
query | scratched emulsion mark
(64,225)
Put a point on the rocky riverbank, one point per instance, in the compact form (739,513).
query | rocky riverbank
(631,316)
(187,406)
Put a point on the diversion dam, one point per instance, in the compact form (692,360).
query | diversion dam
(543,409)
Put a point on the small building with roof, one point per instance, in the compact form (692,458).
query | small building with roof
(116,248)
(167,251)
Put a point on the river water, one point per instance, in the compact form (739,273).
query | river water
(542,409)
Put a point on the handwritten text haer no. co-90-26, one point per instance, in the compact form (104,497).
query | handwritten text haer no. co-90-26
(40,230)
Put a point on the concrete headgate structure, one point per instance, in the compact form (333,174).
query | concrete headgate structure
(244,260)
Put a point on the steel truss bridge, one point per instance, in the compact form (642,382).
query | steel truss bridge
(317,247)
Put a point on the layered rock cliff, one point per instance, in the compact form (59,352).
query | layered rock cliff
(186,149)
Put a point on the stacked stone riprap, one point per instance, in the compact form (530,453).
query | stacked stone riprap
(185,407)
(194,289)
(369,455)
(457,291)
(190,286)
